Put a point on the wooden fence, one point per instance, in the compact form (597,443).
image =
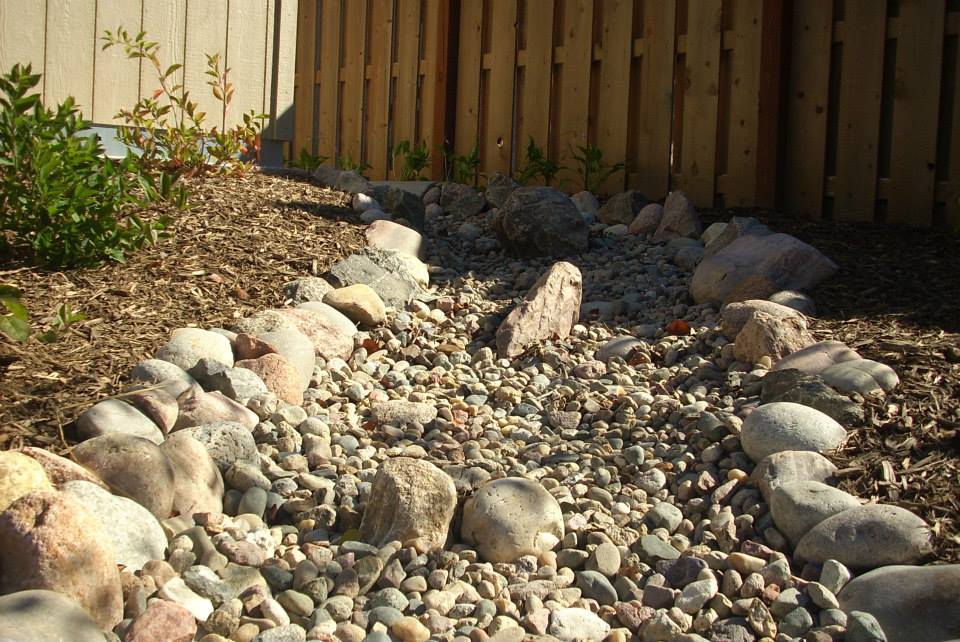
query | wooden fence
(842,109)
(61,38)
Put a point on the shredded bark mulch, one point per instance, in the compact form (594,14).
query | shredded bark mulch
(228,256)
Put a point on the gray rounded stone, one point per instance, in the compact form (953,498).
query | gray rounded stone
(188,345)
(116,416)
(45,616)
(783,425)
(227,442)
(799,506)
(595,586)
(791,465)
(132,532)
(867,537)
(861,375)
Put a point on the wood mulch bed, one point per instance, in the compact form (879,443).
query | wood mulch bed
(229,256)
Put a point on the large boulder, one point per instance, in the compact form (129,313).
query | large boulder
(867,537)
(291,344)
(754,267)
(789,466)
(339,179)
(115,416)
(863,376)
(158,404)
(133,466)
(131,532)
(622,208)
(189,345)
(170,377)
(197,482)
(411,501)
(512,517)
(679,219)
(227,443)
(198,407)
(816,358)
(550,309)
(359,302)
(401,203)
(330,332)
(387,235)
(45,616)
(735,315)
(920,604)
(765,335)
(309,288)
(540,221)
(810,390)
(730,232)
(59,469)
(20,475)
(800,505)
(499,189)
(461,201)
(48,540)
(385,271)
(238,384)
(279,375)
(782,425)
(647,219)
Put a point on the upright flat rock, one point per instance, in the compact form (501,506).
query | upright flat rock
(754,267)
(549,310)
(679,219)
(916,603)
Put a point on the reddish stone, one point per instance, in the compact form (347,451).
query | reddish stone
(162,622)
(280,377)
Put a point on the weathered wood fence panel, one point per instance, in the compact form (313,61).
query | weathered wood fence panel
(61,38)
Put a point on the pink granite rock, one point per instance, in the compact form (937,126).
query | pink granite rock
(549,310)
(280,377)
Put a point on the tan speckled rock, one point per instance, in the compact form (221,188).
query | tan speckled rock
(19,475)
(198,485)
(48,540)
(279,375)
(59,469)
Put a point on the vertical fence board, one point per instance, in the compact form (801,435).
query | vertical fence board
(433,103)
(408,75)
(574,90)
(245,56)
(23,36)
(744,122)
(116,77)
(71,25)
(378,89)
(267,68)
(286,52)
(655,117)
(497,132)
(534,117)
(913,149)
(858,131)
(206,34)
(701,101)
(468,76)
(807,107)
(165,22)
(306,83)
(952,192)
(614,87)
(328,124)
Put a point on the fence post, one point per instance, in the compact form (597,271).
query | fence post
(305,77)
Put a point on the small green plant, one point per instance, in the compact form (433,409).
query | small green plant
(308,161)
(591,168)
(14,323)
(58,191)
(463,168)
(413,160)
(347,163)
(537,165)
(167,127)
(61,321)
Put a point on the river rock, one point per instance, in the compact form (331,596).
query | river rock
(155,371)
(577,625)
(863,376)
(45,616)
(735,315)
(765,335)
(238,384)
(291,344)
(810,390)
(816,358)
(679,219)
(115,416)
(798,506)
(737,226)
(162,622)
(189,345)
(398,412)
(622,208)
(540,221)
(59,469)
(622,346)
(508,518)
(226,442)
(279,375)
(916,603)
(330,332)
(802,303)
(133,466)
(158,405)
(782,425)
(867,537)
(197,483)
(790,466)
(20,475)
(48,540)
(549,310)
(388,235)
(411,500)
(306,288)
(198,407)
(340,179)
(131,532)
(647,219)
(359,303)
(754,267)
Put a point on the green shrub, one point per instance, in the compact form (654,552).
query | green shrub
(463,168)
(591,168)
(537,165)
(307,161)
(167,127)
(413,160)
(347,163)
(58,192)
(14,322)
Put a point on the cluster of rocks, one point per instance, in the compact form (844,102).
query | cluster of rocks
(467,439)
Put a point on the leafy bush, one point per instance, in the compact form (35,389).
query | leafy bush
(167,127)
(348,164)
(463,168)
(413,160)
(307,161)
(537,165)
(591,168)
(58,192)
(14,323)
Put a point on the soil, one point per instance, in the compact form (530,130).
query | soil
(895,299)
